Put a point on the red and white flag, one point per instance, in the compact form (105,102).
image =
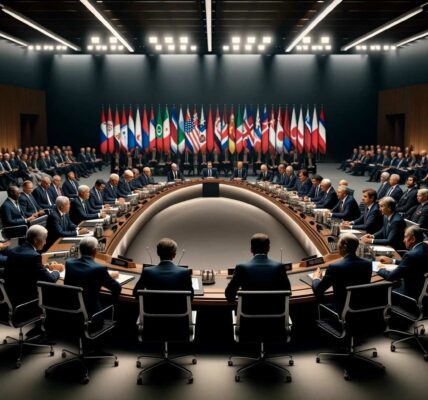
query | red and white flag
(315,132)
(300,133)
(279,133)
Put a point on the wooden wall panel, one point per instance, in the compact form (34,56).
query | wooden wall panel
(412,101)
(15,101)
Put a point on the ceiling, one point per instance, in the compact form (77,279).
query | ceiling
(282,19)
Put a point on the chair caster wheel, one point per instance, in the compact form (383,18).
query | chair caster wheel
(289,378)
(139,381)
(374,354)
(63,354)
(392,348)
(4,341)
(291,362)
(85,380)
(194,361)
(318,360)
(230,363)
(116,363)
(426,357)
(138,364)
(52,353)
(190,381)
(237,378)
(18,364)
(347,376)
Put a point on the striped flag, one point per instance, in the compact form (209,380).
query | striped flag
(110,131)
(210,131)
(322,143)
(131,130)
(224,131)
(174,131)
(202,133)
(315,132)
(249,129)
(308,144)
(279,133)
(195,134)
(124,132)
(257,132)
(239,132)
(138,130)
(287,133)
(181,136)
(300,133)
(146,132)
(293,129)
(272,133)
(116,131)
(166,132)
(217,132)
(231,132)
(192,141)
(159,125)
(265,131)
(103,134)
(152,130)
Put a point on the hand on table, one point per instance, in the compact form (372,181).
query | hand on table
(317,274)
(367,239)
(114,274)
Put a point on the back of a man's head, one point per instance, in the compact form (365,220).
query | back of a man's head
(260,243)
(88,246)
(348,244)
(166,249)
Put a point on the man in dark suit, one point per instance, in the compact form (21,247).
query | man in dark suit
(420,215)
(394,190)
(371,220)
(260,273)
(146,177)
(280,177)
(392,231)
(315,193)
(239,173)
(351,270)
(110,194)
(209,171)
(412,267)
(96,201)
(81,210)
(265,175)
(43,195)
(87,274)
(166,275)
(303,184)
(124,188)
(347,208)
(292,178)
(409,198)
(27,202)
(384,185)
(70,188)
(329,197)
(55,189)
(174,175)
(11,213)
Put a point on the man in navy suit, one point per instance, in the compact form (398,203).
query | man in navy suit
(280,177)
(394,190)
(11,213)
(96,201)
(43,195)
(329,197)
(392,231)
(304,184)
(239,173)
(384,185)
(292,178)
(174,175)
(420,215)
(166,275)
(146,177)
(351,270)
(70,188)
(315,193)
(87,274)
(265,175)
(347,208)
(27,202)
(408,200)
(55,188)
(110,194)
(81,210)
(412,267)
(124,188)
(260,273)
(371,220)
(209,171)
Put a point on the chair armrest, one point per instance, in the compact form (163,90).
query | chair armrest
(406,297)
(322,306)
(104,310)
(19,306)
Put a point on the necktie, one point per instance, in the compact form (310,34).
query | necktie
(58,190)
(365,215)
(48,198)
(8,165)
(341,205)
(32,202)
(175,175)
(390,191)
(75,187)
(98,194)
(316,192)
(209,172)
(239,173)
(83,204)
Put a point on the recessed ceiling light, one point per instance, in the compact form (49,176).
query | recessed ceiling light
(386,47)
(325,39)
(104,48)
(59,47)
(314,47)
(95,40)
(153,39)
(30,47)
(171,47)
(298,47)
(328,47)
(113,47)
(358,47)
(113,40)
(267,39)
(168,39)
(261,47)
(226,47)
(363,47)
(236,39)
(193,48)
(98,47)
(38,47)
(306,40)
(248,47)
(90,47)
(251,39)
(184,39)
(235,47)
(183,47)
(120,47)
(393,47)
(51,48)
(158,47)
(305,47)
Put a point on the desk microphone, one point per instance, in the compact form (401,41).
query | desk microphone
(182,254)
(150,255)
(281,255)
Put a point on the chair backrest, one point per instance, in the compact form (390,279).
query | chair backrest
(423,297)
(6,308)
(12,232)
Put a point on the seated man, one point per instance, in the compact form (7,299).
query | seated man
(147,177)
(209,171)
(394,190)
(420,215)
(347,208)
(265,175)
(70,188)
(84,272)
(11,213)
(239,173)
(55,189)
(408,200)
(292,178)
(260,273)
(349,271)
(303,184)
(81,210)
(328,198)
(280,177)
(96,201)
(315,191)
(27,202)
(43,195)
(412,267)
(166,275)
(174,174)
(384,185)
(110,194)
(392,231)
(124,188)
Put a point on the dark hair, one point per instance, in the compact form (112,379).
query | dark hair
(417,232)
(260,243)
(319,178)
(371,193)
(304,172)
(349,243)
(166,249)
(100,182)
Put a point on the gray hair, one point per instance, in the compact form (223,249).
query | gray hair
(423,192)
(36,233)
(326,181)
(61,201)
(384,175)
(348,242)
(88,245)
(128,172)
(83,189)
(114,177)
(389,202)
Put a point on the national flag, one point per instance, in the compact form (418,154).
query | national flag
(224,131)
(210,131)
(166,132)
(249,129)
(181,136)
(265,131)
(272,133)
(279,133)
(293,129)
(202,133)
(124,132)
(116,133)
(152,130)
(138,130)
(257,132)
(195,134)
(110,131)
(217,132)
(174,131)
(287,132)
(131,130)
(103,134)
(231,132)
(239,132)
(300,133)
(192,141)
(322,143)
(159,137)
(307,131)
(146,132)
(315,132)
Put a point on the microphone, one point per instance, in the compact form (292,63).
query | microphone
(150,255)
(182,254)
(281,255)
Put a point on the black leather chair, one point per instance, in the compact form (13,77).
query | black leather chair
(14,232)
(67,301)
(165,316)
(262,317)
(413,310)
(363,306)
(20,316)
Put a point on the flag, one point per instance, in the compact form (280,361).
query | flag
(202,133)
(159,137)
(272,133)
(308,145)
(103,134)
(131,130)
(166,132)
(265,131)
(287,133)
(195,134)
(110,131)
(231,130)
(124,132)
(300,133)
(224,131)
(146,132)
(181,136)
(279,133)
(315,132)
(138,130)
(322,138)
(249,129)
(239,132)
(152,130)
(210,131)
(116,133)
(257,132)
(217,132)
(192,141)
(174,131)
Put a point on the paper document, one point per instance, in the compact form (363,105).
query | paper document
(376,265)
(195,283)
(353,231)
(382,249)
(95,221)
(72,239)
(90,233)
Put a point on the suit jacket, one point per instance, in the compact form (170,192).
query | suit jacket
(351,270)
(350,209)
(267,178)
(315,193)
(23,269)
(383,189)
(292,182)
(84,272)
(147,180)
(370,220)
(260,273)
(280,179)
(214,173)
(81,211)
(41,195)
(420,216)
(95,199)
(408,200)
(58,227)
(328,200)
(110,194)
(304,188)
(124,188)
(70,189)
(170,176)
(54,193)
(392,233)
(243,173)
(28,204)
(396,193)
(11,215)
(165,276)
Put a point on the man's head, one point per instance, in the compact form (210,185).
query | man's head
(84,192)
(387,205)
(166,249)
(347,244)
(342,192)
(63,204)
(422,195)
(45,182)
(209,164)
(56,180)
(100,185)
(303,175)
(325,184)
(394,179)
(128,175)
(36,236)
(281,169)
(27,187)
(369,196)
(260,243)
(240,165)
(343,182)
(412,236)
(411,181)
(263,168)
(316,179)
(289,170)
(88,247)
(384,176)
(13,192)
(71,176)
(114,179)
(174,167)
(147,171)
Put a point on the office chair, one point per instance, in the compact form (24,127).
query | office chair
(19,317)
(165,316)
(362,301)
(68,301)
(414,310)
(262,317)
(14,232)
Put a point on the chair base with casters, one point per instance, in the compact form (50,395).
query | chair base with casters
(260,360)
(165,359)
(418,332)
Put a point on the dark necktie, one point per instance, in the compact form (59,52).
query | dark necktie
(341,205)
(30,197)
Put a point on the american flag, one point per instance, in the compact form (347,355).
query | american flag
(192,135)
